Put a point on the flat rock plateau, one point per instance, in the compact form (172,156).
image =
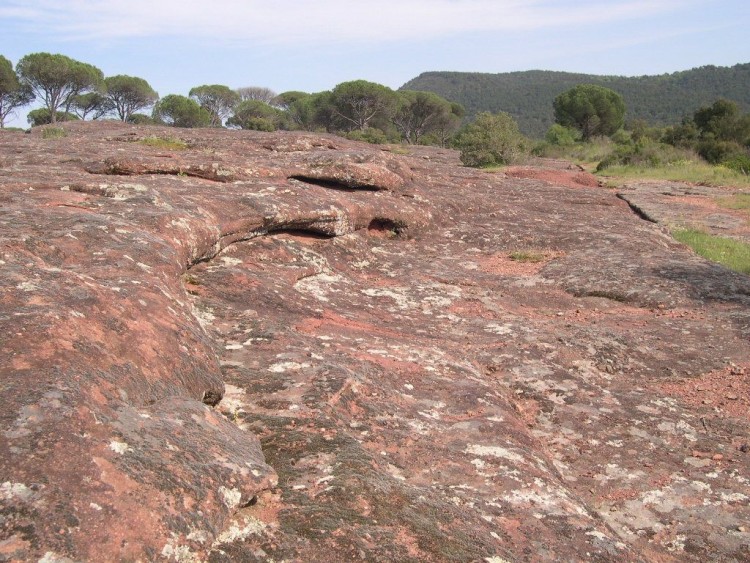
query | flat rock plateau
(293,347)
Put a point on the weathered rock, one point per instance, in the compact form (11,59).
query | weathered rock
(412,360)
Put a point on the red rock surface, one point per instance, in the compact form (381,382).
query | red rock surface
(295,347)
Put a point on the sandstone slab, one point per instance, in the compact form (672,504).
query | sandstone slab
(295,347)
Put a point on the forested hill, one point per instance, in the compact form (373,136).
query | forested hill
(528,96)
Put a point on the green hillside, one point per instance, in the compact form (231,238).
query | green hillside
(660,100)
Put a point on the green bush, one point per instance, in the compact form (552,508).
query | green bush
(491,140)
(140,119)
(368,135)
(716,151)
(622,137)
(255,115)
(561,136)
(739,163)
(42,116)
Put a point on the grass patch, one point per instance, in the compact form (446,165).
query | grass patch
(165,143)
(731,253)
(740,202)
(692,172)
(398,149)
(526,256)
(54,133)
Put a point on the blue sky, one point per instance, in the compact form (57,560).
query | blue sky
(314,45)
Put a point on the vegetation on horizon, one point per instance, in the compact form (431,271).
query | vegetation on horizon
(588,128)
(358,109)
(528,95)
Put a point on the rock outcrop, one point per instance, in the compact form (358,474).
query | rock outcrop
(295,347)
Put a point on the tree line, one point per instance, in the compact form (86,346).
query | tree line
(367,111)
(69,89)
(528,96)
(718,133)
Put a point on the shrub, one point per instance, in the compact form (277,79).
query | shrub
(368,135)
(739,163)
(561,136)
(42,116)
(140,119)
(645,154)
(715,151)
(179,111)
(255,115)
(491,140)
(622,137)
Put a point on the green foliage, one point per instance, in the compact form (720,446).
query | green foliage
(141,119)
(57,79)
(360,104)
(8,78)
(218,100)
(723,121)
(13,94)
(363,111)
(298,110)
(728,252)
(530,256)
(561,136)
(739,163)
(179,111)
(92,104)
(368,135)
(527,96)
(695,171)
(645,154)
(491,140)
(42,116)
(717,152)
(422,113)
(128,95)
(255,115)
(685,135)
(593,110)
(719,132)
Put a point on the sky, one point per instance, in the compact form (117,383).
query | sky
(313,45)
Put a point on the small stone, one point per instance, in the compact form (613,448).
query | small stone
(717,457)
(732,397)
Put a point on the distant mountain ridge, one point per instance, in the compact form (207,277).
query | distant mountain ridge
(661,100)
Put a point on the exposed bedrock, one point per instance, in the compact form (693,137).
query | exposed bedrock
(252,346)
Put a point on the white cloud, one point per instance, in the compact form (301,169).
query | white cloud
(323,21)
